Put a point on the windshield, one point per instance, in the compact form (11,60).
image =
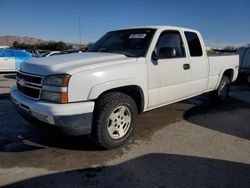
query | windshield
(132,42)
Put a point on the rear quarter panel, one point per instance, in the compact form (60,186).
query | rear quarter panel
(218,65)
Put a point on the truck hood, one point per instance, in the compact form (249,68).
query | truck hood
(72,63)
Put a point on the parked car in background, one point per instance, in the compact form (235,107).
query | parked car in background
(53,53)
(10,59)
(50,53)
(71,51)
(244,71)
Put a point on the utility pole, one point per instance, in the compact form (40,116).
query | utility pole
(80,31)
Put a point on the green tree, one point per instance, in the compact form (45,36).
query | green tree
(15,44)
(61,46)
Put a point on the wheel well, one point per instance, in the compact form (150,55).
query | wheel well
(135,92)
(229,73)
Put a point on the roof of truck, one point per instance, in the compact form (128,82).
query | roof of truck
(159,27)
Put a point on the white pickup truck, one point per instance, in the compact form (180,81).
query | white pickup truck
(123,74)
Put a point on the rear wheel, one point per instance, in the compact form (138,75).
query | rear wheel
(114,119)
(221,94)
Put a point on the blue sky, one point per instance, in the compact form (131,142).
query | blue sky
(221,22)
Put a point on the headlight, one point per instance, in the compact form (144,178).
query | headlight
(55,96)
(60,80)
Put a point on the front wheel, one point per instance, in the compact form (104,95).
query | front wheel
(221,94)
(114,119)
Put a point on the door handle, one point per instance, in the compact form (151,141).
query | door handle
(186,66)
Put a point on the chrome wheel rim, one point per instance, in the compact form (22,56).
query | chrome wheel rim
(119,122)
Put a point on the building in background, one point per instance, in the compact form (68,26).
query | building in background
(4,46)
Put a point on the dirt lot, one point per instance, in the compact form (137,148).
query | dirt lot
(193,143)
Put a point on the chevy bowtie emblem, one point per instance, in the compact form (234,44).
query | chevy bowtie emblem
(22,82)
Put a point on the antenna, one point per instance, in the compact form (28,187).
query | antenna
(80,31)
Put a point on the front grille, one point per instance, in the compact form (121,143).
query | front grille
(30,92)
(37,80)
(29,85)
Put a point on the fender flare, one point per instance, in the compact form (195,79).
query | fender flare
(100,88)
(222,73)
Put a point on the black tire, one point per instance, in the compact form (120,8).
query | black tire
(221,94)
(104,107)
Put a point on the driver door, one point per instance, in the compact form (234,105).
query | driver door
(169,73)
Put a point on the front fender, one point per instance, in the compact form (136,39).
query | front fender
(100,88)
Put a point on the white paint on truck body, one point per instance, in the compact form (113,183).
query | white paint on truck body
(162,82)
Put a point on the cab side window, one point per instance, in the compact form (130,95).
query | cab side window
(194,44)
(170,45)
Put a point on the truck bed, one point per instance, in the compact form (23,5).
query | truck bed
(223,62)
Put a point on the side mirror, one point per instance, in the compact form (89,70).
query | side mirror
(155,56)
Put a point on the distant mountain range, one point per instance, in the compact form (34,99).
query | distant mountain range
(8,40)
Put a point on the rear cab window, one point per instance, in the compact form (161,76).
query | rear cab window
(194,44)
